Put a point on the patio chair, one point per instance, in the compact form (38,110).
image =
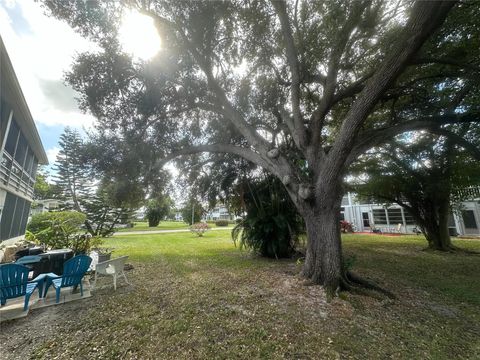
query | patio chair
(395,230)
(14,283)
(114,268)
(398,229)
(73,272)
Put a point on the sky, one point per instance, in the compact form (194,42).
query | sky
(41,50)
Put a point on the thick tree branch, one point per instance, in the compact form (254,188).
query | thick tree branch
(314,78)
(443,61)
(318,117)
(352,89)
(459,140)
(245,153)
(224,105)
(376,137)
(299,134)
(426,17)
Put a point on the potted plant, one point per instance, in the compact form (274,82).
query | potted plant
(103,253)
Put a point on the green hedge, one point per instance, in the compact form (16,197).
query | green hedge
(59,230)
(222,222)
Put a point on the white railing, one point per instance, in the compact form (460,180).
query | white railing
(12,175)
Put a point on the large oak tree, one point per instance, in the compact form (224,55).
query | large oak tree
(294,87)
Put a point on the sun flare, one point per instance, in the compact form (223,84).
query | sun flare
(138,35)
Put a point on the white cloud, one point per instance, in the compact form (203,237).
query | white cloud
(44,51)
(52,154)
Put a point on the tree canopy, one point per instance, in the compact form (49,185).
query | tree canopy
(297,88)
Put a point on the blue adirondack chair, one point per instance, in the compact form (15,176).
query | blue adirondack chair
(14,283)
(73,272)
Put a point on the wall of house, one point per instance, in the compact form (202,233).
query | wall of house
(388,217)
(219,213)
(20,152)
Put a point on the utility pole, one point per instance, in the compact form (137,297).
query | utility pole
(193,210)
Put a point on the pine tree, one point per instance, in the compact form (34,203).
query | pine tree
(72,176)
(72,173)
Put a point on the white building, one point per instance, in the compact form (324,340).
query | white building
(45,205)
(365,216)
(219,212)
(21,151)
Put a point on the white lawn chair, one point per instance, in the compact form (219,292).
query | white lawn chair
(395,230)
(113,267)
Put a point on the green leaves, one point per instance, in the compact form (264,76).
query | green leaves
(59,229)
(272,224)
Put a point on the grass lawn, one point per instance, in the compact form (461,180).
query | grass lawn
(200,298)
(164,225)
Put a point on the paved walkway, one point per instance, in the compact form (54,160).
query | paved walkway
(146,232)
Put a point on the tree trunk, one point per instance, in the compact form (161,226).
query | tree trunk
(435,226)
(323,262)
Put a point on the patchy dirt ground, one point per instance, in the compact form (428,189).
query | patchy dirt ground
(213,302)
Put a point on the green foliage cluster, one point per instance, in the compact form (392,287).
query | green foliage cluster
(346,227)
(221,222)
(272,224)
(59,230)
(105,204)
(193,207)
(43,189)
(158,209)
(102,215)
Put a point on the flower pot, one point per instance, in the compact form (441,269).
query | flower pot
(104,257)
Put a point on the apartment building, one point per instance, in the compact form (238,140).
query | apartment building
(21,151)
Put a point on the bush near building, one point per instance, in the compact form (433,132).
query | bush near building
(59,230)
(221,222)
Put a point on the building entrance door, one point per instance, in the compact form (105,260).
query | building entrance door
(365,220)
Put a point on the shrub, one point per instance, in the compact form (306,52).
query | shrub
(59,230)
(221,223)
(346,227)
(199,228)
(272,224)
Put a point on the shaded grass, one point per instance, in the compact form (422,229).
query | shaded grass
(405,260)
(201,298)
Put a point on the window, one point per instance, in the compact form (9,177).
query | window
(365,219)
(14,216)
(19,174)
(33,171)
(469,219)
(409,220)
(379,217)
(29,162)
(451,221)
(12,138)
(4,115)
(7,216)
(21,152)
(395,216)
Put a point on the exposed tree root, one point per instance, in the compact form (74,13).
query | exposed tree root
(355,284)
